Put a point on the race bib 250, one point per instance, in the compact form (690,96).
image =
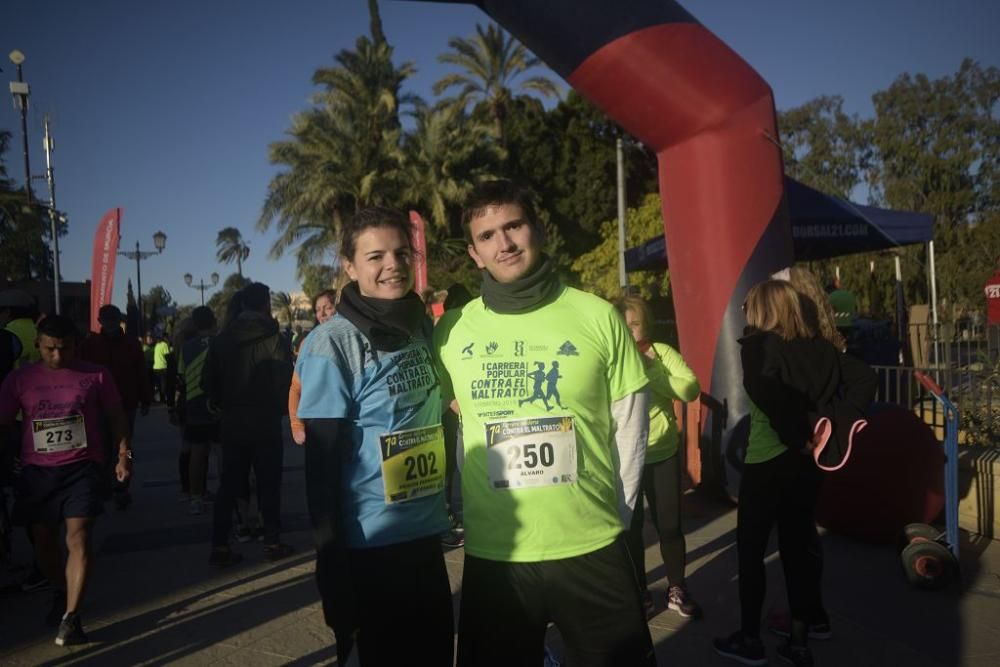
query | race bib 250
(532,452)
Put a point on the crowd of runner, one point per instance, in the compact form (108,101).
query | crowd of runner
(533,425)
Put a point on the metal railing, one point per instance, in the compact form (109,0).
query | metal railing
(963,344)
(973,388)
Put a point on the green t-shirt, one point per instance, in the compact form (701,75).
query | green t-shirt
(764,442)
(160,352)
(539,480)
(670,380)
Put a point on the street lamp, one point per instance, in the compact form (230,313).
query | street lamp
(20,90)
(159,242)
(189,280)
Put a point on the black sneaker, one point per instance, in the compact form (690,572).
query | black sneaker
(781,623)
(71,631)
(453,539)
(798,656)
(277,551)
(739,647)
(679,600)
(58,608)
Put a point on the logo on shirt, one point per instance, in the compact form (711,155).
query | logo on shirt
(518,348)
(568,349)
(492,347)
(467,350)
(544,386)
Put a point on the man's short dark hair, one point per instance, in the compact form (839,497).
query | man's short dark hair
(57,326)
(257,296)
(497,193)
(203,318)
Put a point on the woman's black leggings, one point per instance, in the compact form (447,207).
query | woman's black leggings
(661,484)
(782,491)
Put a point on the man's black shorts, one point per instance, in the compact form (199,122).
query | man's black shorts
(49,494)
(593,600)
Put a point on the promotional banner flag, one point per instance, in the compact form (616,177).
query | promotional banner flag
(102,273)
(420,248)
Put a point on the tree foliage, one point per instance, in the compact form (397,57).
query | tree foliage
(930,146)
(25,230)
(598,269)
(231,247)
(493,66)
(342,154)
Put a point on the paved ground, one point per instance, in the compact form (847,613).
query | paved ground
(154,600)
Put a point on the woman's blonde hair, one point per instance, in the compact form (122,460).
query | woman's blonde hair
(816,308)
(639,306)
(774,305)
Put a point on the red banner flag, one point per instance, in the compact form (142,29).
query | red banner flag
(420,250)
(102,273)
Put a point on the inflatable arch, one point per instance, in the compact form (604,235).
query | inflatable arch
(711,120)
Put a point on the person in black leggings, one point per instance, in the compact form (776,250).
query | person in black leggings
(780,483)
(670,379)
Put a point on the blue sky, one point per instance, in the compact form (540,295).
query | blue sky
(166,108)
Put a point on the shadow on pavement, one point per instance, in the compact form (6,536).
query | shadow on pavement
(206,621)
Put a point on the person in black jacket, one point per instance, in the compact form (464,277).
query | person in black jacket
(247,374)
(806,399)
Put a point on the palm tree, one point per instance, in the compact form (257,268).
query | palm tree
(343,154)
(446,153)
(230,246)
(282,304)
(491,61)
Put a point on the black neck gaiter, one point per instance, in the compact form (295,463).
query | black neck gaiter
(388,324)
(540,287)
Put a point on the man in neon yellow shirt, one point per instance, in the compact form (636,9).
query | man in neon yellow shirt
(160,353)
(548,486)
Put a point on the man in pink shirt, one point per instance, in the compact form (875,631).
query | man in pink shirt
(64,403)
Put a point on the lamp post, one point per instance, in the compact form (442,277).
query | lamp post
(189,280)
(20,90)
(159,242)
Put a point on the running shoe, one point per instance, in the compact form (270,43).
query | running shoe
(453,539)
(196,507)
(679,600)
(780,623)
(224,557)
(274,552)
(798,656)
(57,609)
(743,649)
(71,631)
